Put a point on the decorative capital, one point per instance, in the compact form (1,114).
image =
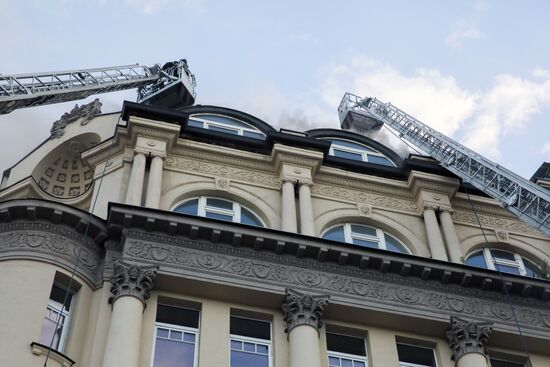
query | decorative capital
(303,309)
(132,280)
(468,337)
(428,206)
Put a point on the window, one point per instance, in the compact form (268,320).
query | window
(176,336)
(221,209)
(250,342)
(346,351)
(225,124)
(504,261)
(415,356)
(55,324)
(504,363)
(358,152)
(365,236)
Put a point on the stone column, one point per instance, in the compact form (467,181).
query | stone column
(154,184)
(307,225)
(288,219)
(451,239)
(435,241)
(129,291)
(468,342)
(303,314)
(135,184)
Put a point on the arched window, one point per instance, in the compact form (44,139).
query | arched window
(365,236)
(222,209)
(225,124)
(351,150)
(504,261)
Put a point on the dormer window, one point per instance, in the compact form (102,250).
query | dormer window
(365,236)
(221,209)
(225,124)
(358,152)
(504,261)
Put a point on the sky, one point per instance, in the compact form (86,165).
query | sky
(478,71)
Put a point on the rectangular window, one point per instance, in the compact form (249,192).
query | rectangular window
(415,356)
(176,337)
(346,351)
(55,324)
(250,342)
(504,363)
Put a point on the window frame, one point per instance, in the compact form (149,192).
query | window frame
(491,261)
(65,313)
(364,153)
(183,329)
(352,357)
(249,339)
(240,130)
(380,238)
(409,364)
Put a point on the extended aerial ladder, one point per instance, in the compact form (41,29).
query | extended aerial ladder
(528,201)
(171,85)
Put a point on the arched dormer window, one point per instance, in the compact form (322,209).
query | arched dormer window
(365,236)
(348,149)
(225,124)
(504,261)
(217,208)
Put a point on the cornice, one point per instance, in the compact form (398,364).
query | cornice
(283,154)
(493,222)
(419,181)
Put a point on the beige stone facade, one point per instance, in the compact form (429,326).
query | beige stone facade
(136,253)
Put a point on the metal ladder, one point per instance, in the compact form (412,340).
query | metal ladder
(528,201)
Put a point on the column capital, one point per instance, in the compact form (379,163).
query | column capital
(430,207)
(468,337)
(289,179)
(303,309)
(307,183)
(132,280)
(446,209)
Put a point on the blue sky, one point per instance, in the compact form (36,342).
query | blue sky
(477,70)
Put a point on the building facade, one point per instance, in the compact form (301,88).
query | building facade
(216,240)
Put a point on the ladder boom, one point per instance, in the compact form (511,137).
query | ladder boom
(523,198)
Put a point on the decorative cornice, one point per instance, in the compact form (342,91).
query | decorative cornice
(132,280)
(303,309)
(468,337)
(492,222)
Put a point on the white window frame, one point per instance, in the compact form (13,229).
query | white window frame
(491,261)
(364,153)
(184,329)
(353,357)
(65,325)
(380,239)
(240,130)
(248,339)
(407,364)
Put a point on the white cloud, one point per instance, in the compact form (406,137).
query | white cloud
(460,33)
(545,148)
(152,6)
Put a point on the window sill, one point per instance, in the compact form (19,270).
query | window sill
(39,349)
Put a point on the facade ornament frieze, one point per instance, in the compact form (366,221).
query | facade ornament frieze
(86,112)
(466,336)
(132,280)
(303,309)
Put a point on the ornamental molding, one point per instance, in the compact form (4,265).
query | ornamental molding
(132,280)
(467,336)
(303,309)
(493,222)
(188,165)
(350,285)
(85,113)
(356,197)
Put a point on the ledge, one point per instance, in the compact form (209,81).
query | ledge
(39,349)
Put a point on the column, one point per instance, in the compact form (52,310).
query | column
(129,291)
(135,184)
(435,241)
(288,220)
(307,225)
(303,314)
(451,239)
(154,184)
(468,342)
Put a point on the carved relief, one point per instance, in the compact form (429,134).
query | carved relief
(303,309)
(222,183)
(132,280)
(494,222)
(468,337)
(86,112)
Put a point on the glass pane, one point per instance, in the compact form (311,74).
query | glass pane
(219,203)
(169,353)
(177,316)
(365,243)
(393,244)
(477,260)
(254,135)
(57,296)
(48,331)
(507,269)
(224,120)
(176,335)
(346,344)
(417,355)
(501,363)
(348,155)
(261,349)
(243,359)
(195,123)
(379,160)
(350,144)
(249,347)
(188,337)
(335,234)
(237,345)
(532,270)
(228,218)
(333,361)
(163,333)
(248,218)
(504,255)
(369,231)
(189,207)
(346,362)
(358,364)
(252,328)
(223,130)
